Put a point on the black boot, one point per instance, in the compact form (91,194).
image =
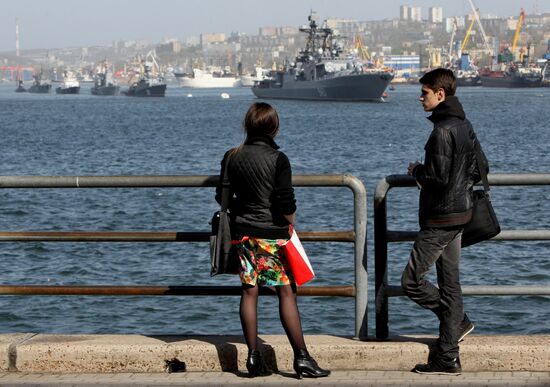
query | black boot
(305,365)
(465,327)
(255,364)
(439,366)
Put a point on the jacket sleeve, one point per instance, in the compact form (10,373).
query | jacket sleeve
(483,162)
(282,199)
(436,170)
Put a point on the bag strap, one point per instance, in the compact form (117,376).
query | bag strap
(226,186)
(482,172)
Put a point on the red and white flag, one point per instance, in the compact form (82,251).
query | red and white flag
(297,260)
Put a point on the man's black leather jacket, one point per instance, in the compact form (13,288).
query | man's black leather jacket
(450,169)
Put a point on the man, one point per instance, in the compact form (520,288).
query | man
(445,179)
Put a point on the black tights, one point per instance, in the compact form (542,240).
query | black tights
(288,313)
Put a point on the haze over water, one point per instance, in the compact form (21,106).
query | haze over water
(87,135)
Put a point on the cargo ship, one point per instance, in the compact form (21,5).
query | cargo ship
(321,74)
(513,76)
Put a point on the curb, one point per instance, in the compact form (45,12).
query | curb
(46,353)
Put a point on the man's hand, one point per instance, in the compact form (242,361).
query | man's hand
(412,166)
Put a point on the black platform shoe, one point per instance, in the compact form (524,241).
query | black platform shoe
(305,365)
(255,364)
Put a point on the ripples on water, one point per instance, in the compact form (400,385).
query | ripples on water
(88,135)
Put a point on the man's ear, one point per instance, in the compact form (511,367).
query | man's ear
(440,94)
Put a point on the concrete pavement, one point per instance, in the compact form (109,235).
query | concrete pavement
(338,378)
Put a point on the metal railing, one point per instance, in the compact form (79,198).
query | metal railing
(357,236)
(383,236)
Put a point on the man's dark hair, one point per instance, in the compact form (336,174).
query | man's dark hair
(440,79)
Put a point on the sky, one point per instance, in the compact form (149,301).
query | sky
(69,23)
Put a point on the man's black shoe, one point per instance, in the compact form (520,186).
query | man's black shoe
(439,367)
(466,326)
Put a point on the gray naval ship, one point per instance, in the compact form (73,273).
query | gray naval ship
(320,73)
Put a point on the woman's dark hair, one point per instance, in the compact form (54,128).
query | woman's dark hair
(440,79)
(261,119)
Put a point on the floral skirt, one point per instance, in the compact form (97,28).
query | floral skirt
(263,262)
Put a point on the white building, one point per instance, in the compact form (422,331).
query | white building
(415,14)
(435,15)
(404,12)
(450,21)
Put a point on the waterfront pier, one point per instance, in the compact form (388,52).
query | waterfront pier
(354,359)
(130,360)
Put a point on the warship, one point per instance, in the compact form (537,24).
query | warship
(320,73)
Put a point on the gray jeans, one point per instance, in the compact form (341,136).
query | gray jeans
(442,247)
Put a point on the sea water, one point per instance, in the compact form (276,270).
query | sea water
(51,135)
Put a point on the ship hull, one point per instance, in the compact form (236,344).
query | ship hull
(511,82)
(105,90)
(468,81)
(147,91)
(68,90)
(40,89)
(209,82)
(360,87)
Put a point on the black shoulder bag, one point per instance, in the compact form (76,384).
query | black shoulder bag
(484,223)
(223,255)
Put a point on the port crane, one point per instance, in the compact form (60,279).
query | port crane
(468,33)
(481,29)
(451,43)
(521,21)
(361,49)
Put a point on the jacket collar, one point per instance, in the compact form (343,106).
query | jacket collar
(261,139)
(451,107)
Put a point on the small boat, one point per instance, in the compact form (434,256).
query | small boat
(147,87)
(20,87)
(104,84)
(150,83)
(39,85)
(70,84)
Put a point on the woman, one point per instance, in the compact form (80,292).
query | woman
(262,207)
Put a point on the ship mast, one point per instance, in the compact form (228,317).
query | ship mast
(319,41)
(17,37)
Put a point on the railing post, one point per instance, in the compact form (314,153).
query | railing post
(381,260)
(360,253)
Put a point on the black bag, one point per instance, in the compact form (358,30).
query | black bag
(223,255)
(484,223)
